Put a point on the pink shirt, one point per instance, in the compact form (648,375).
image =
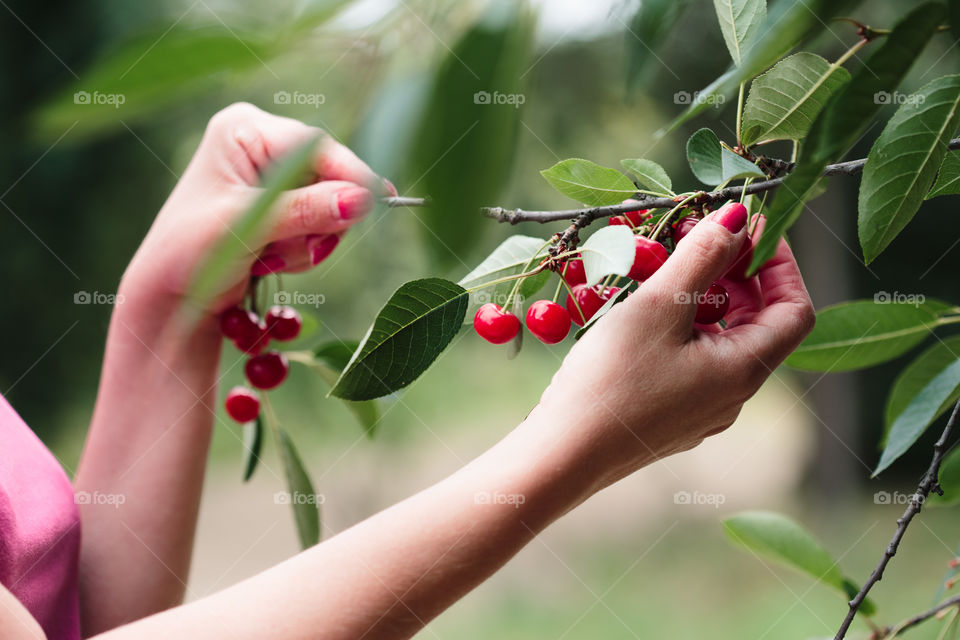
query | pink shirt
(39,529)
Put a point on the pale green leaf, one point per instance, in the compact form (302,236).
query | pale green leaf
(650,175)
(609,251)
(589,183)
(303,499)
(713,164)
(916,375)
(740,22)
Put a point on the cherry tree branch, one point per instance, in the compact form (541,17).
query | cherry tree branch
(927,485)
(922,617)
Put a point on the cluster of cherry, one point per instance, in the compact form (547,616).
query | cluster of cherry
(551,323)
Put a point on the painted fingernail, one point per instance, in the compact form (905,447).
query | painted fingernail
(321,246)
(732,215)
(354,202)
(265,265)
(391,190)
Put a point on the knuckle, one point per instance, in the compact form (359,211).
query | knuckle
(302,211)
(231,114)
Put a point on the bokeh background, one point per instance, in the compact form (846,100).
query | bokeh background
(78,192)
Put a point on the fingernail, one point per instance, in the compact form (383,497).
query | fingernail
(321,246)
(265,265)
(732,215)
(354,202)
(392,190)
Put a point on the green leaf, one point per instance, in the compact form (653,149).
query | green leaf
(332,358)
(903,162)
(649,174)
(252,442)
(740,22)
(466,139)
(647,29)
(589,183)
(219,265)
(602,311)
(859,334)
(919,414)
(784,101)
(714,164)
(916,375)
(412,329)
(948,178)
(508,259)
(841,123)
(611,250)
(949,481)
(303,498)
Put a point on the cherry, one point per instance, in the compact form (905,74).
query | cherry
(548,321)
(609,292)
(495,325)
(683,226)
(631,218)
(236,323)
(268,370)
(254,339)
(283,323)
(589,301)
(649,257)
(573,272)
(738,271)
(242,404)
(712,305)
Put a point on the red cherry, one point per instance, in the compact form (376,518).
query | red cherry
(712,305)
(617,220)
(573,272)
(495,325)
(548,321)
(242,404)
(631,218)
(268,370)
(738,271)
(650,256)
(589,301)
(253,340)
(609,292)
(683,226)
(237,322)
(283,323)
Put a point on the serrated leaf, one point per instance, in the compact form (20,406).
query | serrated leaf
(740,22)
(303,498)
(916,375)
(919,414)
(609,251)
(714,164)
(783,102)
(252,443)
(903,162)
(862,333)
(841,123)
(649,174)
(412,329)
(589,182)
(333,358)
(508,259)
(948,178)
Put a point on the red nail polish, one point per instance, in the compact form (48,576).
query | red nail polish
(391,190)
(265,265)
(732,215)
(321,246)
(354,202)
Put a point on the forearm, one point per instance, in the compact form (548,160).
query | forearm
(143,462)
(389,575)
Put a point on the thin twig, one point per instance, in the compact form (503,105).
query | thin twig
(927,485)
(922,617)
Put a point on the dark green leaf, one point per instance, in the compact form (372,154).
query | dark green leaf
(412,329)
(609,251)
(916,375)
(649,174)
(714,164)
(919,414)
(332,358)
(740,22)
(904,161)
(948,178)
(858,334)
(589,183)
(303,498)
(252,441)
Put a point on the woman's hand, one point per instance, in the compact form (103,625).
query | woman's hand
(219,184)
(646,382)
